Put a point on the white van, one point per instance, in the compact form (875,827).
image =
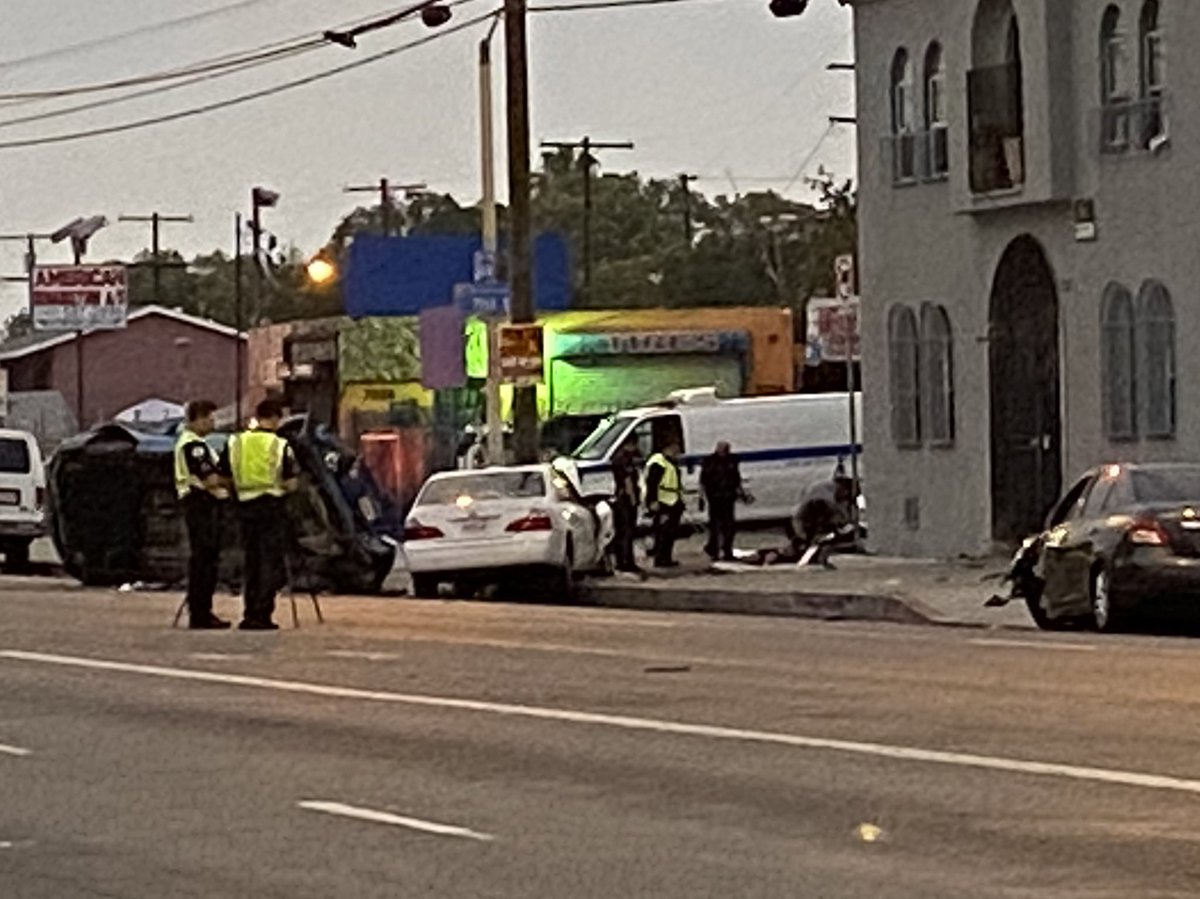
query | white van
(785,443)
(22,495)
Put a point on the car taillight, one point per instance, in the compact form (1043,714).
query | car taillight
(1147,533)
(421,532)
(531,523)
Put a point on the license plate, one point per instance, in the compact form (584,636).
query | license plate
(10,497)
(474,525)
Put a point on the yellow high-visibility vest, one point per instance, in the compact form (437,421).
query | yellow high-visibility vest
(256,461)
(185,481)
(669,493)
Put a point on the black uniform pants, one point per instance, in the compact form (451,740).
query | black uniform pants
(202,515)
(666,529)
(722,525)
(625,516)
(264,542)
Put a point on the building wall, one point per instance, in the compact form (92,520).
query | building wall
(142,361)
(933,242)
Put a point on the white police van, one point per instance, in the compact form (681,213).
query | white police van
(22,495)
(785,444)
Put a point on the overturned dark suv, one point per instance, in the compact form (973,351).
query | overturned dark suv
(114,517)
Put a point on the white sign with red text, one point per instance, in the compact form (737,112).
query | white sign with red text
(79,297)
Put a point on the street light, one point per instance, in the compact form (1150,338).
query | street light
(321,269)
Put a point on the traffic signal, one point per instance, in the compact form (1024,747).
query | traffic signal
(783,9)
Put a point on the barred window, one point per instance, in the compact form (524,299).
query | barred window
(1156,358)
(904,376)
(937,375)
(1118,354)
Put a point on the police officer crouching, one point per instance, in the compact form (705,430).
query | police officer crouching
(201,490)
(263,470)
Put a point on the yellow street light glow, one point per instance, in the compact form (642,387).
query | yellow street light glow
(321,270)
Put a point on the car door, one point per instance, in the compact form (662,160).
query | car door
(1069,551)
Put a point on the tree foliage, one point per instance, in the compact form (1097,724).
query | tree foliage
(747,249)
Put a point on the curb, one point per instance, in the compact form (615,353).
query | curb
(787,604)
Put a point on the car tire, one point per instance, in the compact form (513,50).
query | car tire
(16,555)
(1042,618)
(425,586)
(1106,617)
(561,582)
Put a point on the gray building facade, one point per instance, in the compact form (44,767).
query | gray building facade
(1030,187)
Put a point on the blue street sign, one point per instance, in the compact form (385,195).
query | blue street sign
(484,300)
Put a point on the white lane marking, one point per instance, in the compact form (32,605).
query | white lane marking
(624,722)
(1034,644)
(366,814)
(14,750)
(367,656)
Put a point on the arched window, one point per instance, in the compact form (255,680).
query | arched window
(1156,357)
(904,355)
(1153,67)
(937,147)
(1118,364)
(1114,93)
(937,375)
(904,157)
(995,98)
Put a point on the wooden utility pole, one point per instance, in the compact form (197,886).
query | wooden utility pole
(525,417)
(157,265)
(386,189)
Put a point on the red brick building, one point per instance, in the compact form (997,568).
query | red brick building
(162,354)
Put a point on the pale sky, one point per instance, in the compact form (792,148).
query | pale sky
(718,88)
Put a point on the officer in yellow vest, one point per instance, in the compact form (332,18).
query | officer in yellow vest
(201,489)
(263,470)
(664,499)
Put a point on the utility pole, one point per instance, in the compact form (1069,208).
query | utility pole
(586,162)
(156,220)
(260,199)
(495,422)
(684,181)
(237,320)
(386,189)
(525,421)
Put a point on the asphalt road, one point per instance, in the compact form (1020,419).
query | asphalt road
(469,750)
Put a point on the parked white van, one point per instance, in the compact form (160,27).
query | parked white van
(22,495)
(785,444)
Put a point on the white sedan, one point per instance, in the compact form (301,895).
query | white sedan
(496,525)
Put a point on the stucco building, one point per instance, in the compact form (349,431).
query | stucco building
(1028,263)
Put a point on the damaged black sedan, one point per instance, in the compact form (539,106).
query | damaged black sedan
(1123,539)
(114,517)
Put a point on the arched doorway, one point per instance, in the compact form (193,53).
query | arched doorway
(1026,428)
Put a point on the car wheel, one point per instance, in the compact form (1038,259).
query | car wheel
(425,586)
(1106,617)
(561,583)
(1042,618)
(16,555)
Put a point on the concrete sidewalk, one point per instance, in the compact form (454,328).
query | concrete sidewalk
(861,587)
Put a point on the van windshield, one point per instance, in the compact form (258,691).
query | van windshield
(14,456)
(606,436)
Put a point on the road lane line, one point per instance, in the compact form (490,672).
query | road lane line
(366,814)
(14,750)
(1034,644)
(623,722)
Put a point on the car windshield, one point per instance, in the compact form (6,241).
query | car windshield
(1167,485)
(484,485)
(604,438)
(14,456)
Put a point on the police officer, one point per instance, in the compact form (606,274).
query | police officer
(263,470)
(625,503)
(664,499)
(201,490)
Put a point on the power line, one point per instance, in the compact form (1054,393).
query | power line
(267,52)
(125,35)
(809,158)
(151,91)
(247,61)
(138,124)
